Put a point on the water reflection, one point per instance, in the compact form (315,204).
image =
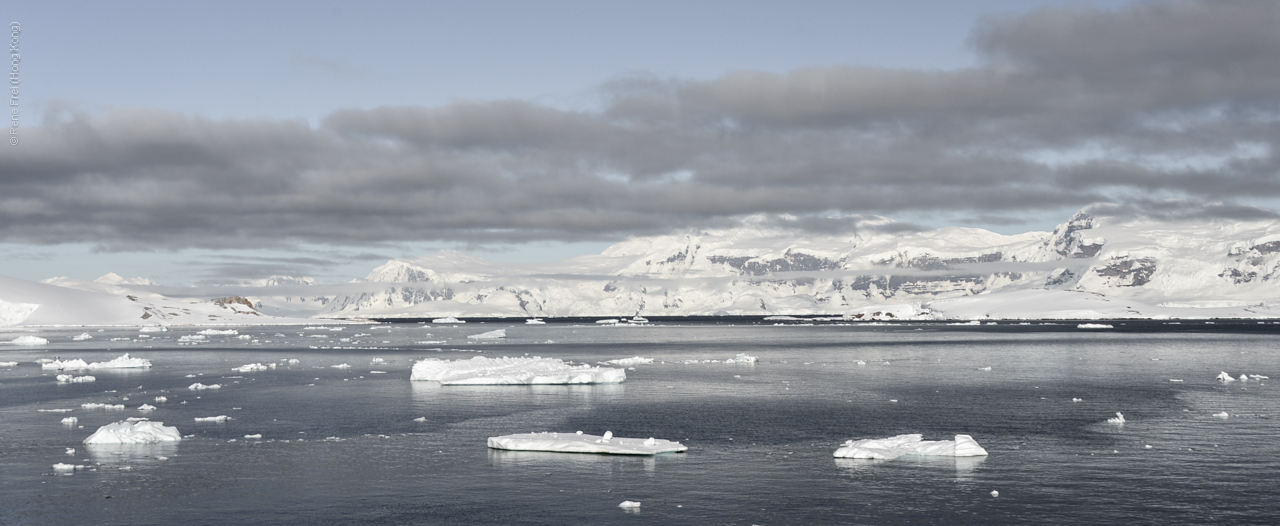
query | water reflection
(537,460)
(131,454)
(964,467)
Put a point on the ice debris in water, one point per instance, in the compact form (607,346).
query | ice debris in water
(1094,326)
(341,366)
(161,399)
(627,504)
(200,387)
(628,361)
(995,493)
(513,371)
(583,443)
(1077,399)
(253,367)
(987,368)
(420,419)
(255,436)
(71,451)
(1118,419)
(144,432)
(8,364)
(1223,415)
(216,332)
(146,408)
(219,419)
(67,467)
(377,361)
(67,365)
(71,420)
(742,358)
(491,335)
(1224,377)
(449,319)
(82,337)
(294,361)
(108,407)
(29,340)
(72,379)
(913,444)
(123,362)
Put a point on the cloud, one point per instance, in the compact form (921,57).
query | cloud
(1069,106)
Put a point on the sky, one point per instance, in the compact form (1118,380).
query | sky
(206,143)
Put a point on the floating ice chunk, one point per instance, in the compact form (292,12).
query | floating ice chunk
(200,387)
(341,366)
(1223,415)
(420,419)
(607,436)
(1095,326)
(144,432)
(627,504)
(742,358)
(1224,377)
(216,332)
(377,372)
(995,493)
(55,410)
(191,338)
(860,362)
(1244,377)
(1260,377)
(82,337)
(610,321)
(629,361)
(377,361)
(72,379)
(896,446)
(1118,419)
(66,467)
(513,371)
(8,364)
(1077,400)
(253,368)
(449,319)
(29,340)
(68,365)
(71,451)
(146,408)
(583,443)
(153,328)
(108,407)
(1175,380)
(162,399)
(294,361)
(123,362)
(987,368)
(491,335)
(259,435)
(534,321)
(218,419)
(71,420)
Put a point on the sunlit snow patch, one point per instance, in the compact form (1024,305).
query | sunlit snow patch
(512,371)
(897,446)
(581,443)
(144,432)
(491,335)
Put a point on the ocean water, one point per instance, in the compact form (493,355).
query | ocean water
(340,446)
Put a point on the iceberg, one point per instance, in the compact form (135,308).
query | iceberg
(144,432)
(216,332)
(512,371)
(72,379)
(108,407)
(1118,419)
(253,368)
(896,446)
(491,335)
(200,387)
(69,365)
(580,443)
(82,337)
(534,321)
(123,362)
(8,364)
(219,419)
(29,340)
(1094,326)
(71,420)
(146,408)
(1222,376)
(449,319)
(624,362)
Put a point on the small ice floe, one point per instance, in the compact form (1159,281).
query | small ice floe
(534,321)
(608,321)
(860,362)
(82,337)
(8,364)
(1223,415)
(201,387)
(420,419)
(294,361)
(628,504)
(896,446)
(1175,380)
(1077,399)
(995,493)
(512,371)
(626,362)
(449,319)
(108,407)
(161,399)
(123,362)
(153,328)
(72,379)
(146,408)
(987,368)
(191,338)
(65,468)
(144,432)
(1095,326)
(341,366)
(741,358)
(29,340)
(377,361)
(54,410)
(491,335)
(377,372)
(70,421)
(254,436)
(1225,378)
(220,419)
(71,451)
(584,443)
(65,365)
(1118,419)
(253,368)
(216,332)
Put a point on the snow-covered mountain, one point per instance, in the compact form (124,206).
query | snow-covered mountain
(1152,267)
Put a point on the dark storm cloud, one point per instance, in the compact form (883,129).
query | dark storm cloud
(1069,106)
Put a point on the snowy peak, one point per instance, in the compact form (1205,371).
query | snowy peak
(111,278)
(279,281)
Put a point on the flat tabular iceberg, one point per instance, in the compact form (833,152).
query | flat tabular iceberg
(200,387)
(894,447)
(512,371)
(1095,326)
(580,443)
(123,362)
(447,320)
(491,335)
(144,432)
(629,361)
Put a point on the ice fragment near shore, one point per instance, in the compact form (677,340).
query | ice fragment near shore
(896,446)
(512,371)
(145,432)
(583,443)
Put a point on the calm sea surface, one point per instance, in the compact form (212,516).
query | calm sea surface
(341,446)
